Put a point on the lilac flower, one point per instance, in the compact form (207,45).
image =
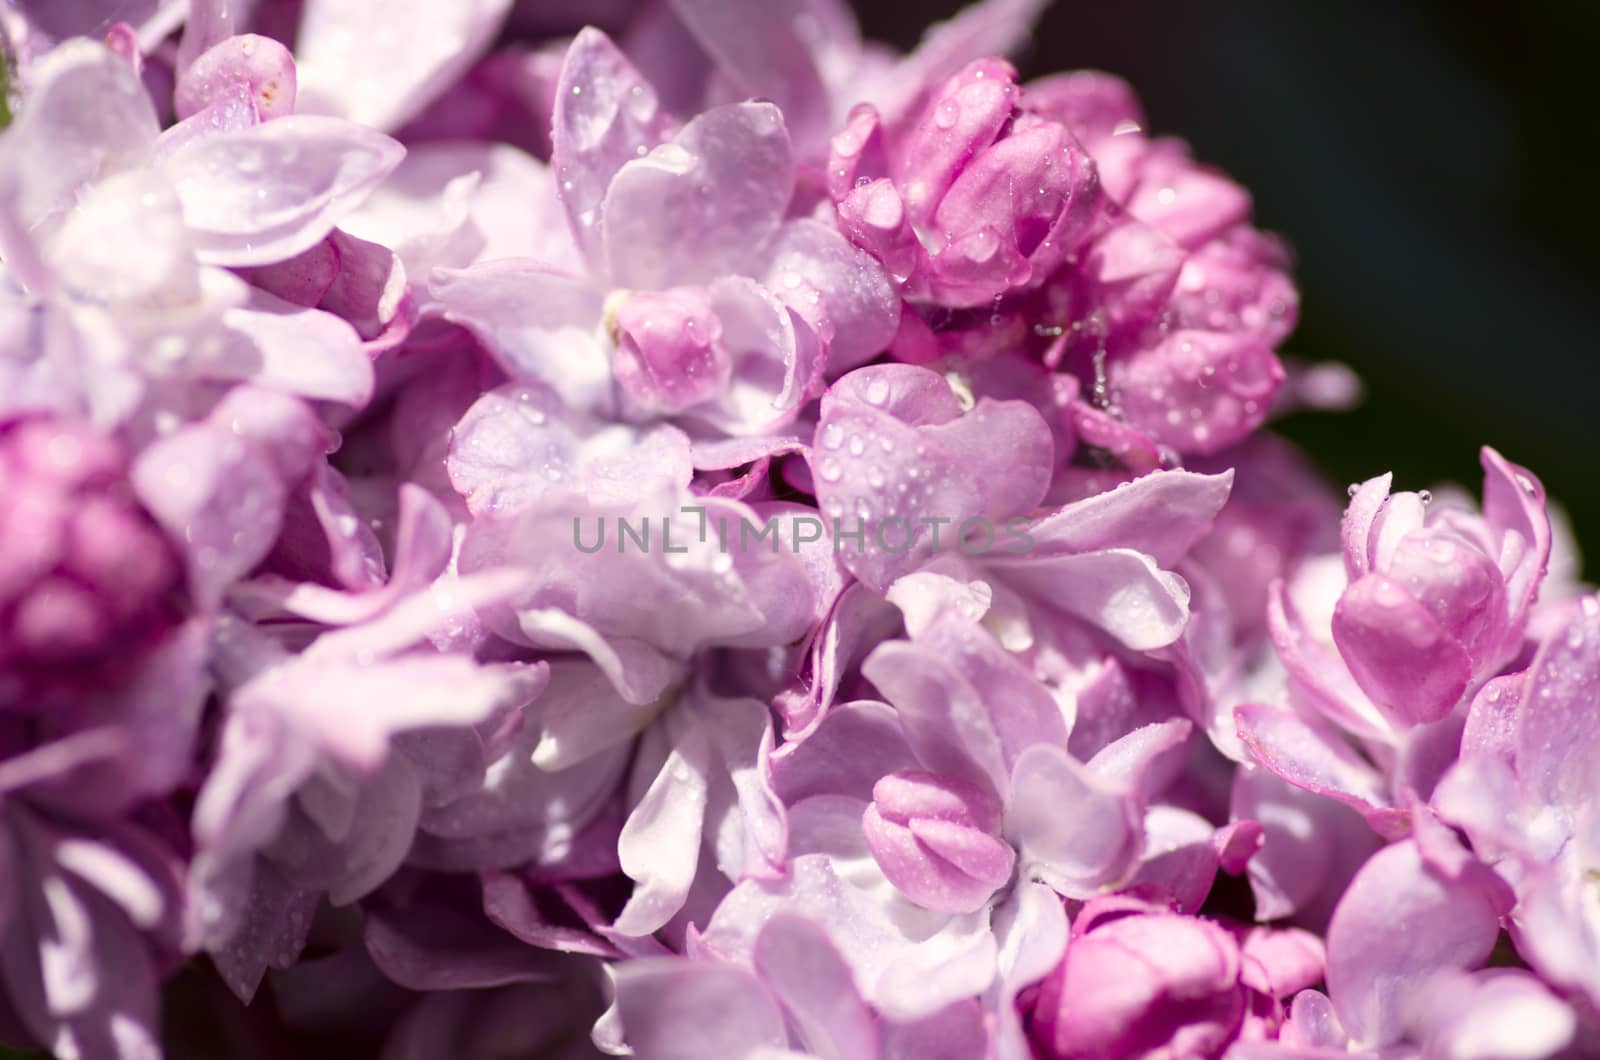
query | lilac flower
(115,327)
(736,526)
(1453,586)
(1448,595)
(694,221)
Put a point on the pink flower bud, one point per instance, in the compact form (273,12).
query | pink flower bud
(669,349)
(937,840)
(85,576)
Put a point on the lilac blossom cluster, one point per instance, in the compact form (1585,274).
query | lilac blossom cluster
(331,331)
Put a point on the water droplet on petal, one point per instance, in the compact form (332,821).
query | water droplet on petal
(830,470)
(877,392)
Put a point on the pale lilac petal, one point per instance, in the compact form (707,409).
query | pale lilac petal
(1068,827)
(1310,755)
(853,745)
(1228,379)
(1558,740)
(1163,514)
(1314,665)
(889,426)
(1119,590)
(760,49)
(1503,1013)
(519,445)
(852,295)
(265,193)
(800,965)
(674,1009)
(1355,527)
(290,348)
(538,323)
(606,115)
(660,843)
(219,495)
(776,359)
(702,205)
(1311,846)
(1397,924)
(382,81)
(909,963)
(353,709)
(1514,506)
(1145,760)
(745,822)
(1313,1024)
(86,117)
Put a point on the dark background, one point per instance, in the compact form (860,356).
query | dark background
(1425,160)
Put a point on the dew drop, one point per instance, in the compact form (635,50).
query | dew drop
(830,470)
(832,436)
(877,392)
(947,114)
(857,446)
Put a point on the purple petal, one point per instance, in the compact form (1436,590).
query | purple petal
(606,115)
(1355,528)
(853,296)
(1072,831)
(801,966)
(538,323)
(262,194)
(702,205)
(1398,652)
(1558,740)
(424,47)
(1163,514)
(259,66)
(1310,755)
(1397,924)
(760,49)
(1514,506)
(1119,590)
(675,1009)
(1229,379)
(86,116)
(1311,845)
